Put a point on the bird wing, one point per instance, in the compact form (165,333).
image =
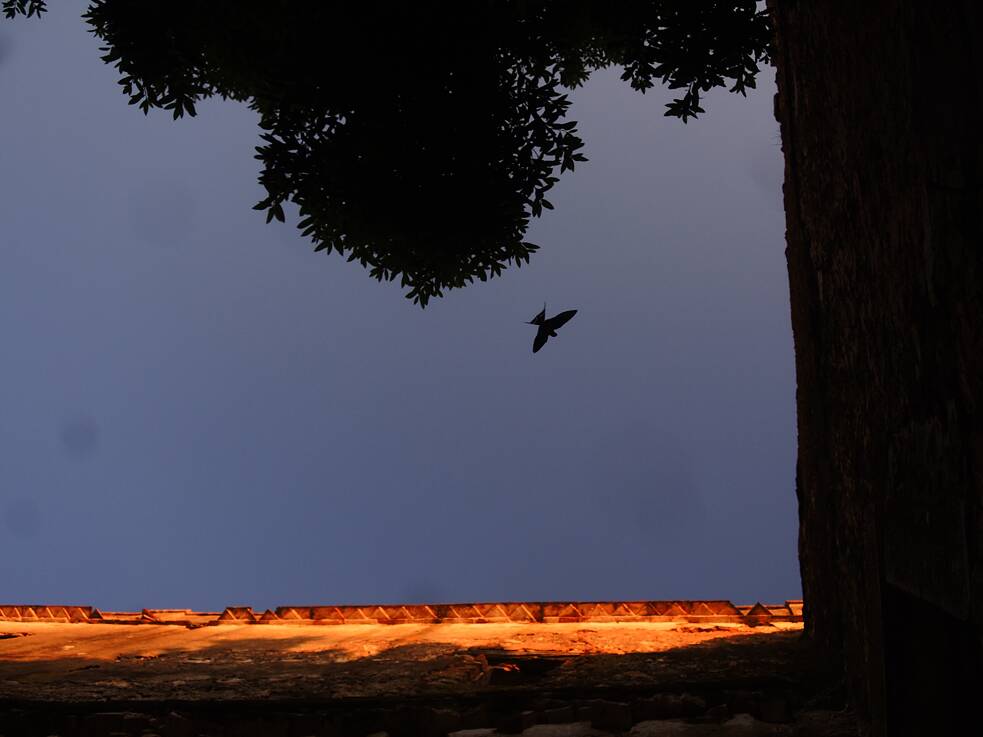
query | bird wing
(558,321)
(538,319)
(541,337)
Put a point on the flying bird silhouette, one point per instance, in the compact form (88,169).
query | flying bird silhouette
(548,328)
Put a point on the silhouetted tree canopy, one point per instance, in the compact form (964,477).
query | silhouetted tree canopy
(418,138)
(23,7)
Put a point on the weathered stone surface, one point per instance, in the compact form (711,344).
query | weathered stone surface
(668,706)
(68,662)
(306,725)
(881,108)
(613,715)
(515,723)
(773,710)
(718,713)
(560,715)
(576,729)
(407,680)
(741,725)
(438,722)
(824,724)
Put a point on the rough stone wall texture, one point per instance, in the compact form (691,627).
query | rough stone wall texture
(881,109)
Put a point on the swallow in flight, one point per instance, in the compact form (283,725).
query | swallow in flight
(548,328)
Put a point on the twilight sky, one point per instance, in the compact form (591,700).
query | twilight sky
(198,411)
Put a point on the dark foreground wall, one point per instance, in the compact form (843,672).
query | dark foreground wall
(881,114)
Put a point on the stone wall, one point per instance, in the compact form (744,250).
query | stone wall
(881,112)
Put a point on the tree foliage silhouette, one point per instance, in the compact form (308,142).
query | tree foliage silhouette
(419,138)
(12,8)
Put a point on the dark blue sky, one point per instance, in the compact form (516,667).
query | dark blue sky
(196,410)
